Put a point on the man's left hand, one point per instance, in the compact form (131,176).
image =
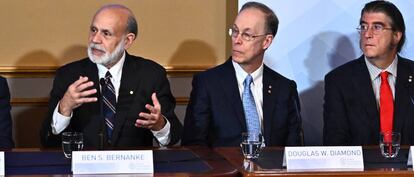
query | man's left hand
(153,120)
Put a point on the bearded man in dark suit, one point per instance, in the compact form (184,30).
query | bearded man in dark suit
(113,98)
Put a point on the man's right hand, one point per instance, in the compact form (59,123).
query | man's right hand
(77,94)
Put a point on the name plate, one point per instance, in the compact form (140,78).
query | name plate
(321,158)
(410,156)
(114,162)
(2,163)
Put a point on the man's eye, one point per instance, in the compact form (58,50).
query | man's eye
(247,35)
(364,27)
(378,27)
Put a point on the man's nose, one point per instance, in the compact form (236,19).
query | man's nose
(95,38)
(237,39)
(368,33)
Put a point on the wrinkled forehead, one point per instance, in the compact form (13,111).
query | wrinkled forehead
(111,18)
(371,17)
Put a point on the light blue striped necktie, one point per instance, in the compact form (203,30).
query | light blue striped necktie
(249,106)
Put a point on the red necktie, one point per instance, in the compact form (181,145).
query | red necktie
(386,104)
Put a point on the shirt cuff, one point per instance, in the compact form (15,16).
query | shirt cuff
(163,135)
(59,121)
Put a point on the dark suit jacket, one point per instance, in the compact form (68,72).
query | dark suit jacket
(139,75)
(351,116)
(215,115)
(6,140)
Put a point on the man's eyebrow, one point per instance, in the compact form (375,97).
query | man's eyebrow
(102,29)
(379,23)
(245,29)
(375,22)
(106,31)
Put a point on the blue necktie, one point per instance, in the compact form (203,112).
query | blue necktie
(109,102)
(249,106)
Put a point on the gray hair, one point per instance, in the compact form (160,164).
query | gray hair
(132,25)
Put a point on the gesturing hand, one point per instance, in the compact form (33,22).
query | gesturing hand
(77,94)
(153,120)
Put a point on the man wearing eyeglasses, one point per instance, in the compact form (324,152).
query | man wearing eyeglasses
(242,94)
(372,94)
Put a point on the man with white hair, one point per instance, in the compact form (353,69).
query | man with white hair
(108,96)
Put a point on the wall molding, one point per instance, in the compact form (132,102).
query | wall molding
(29,101)
(49,71)
(44,101)
(27,71)
(182,100)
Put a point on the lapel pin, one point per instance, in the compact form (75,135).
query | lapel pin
(131,92)
(410,78)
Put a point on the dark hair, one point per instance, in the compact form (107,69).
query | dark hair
(132,25)
(272,22)
(390,10)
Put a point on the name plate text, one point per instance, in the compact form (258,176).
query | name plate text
(318,158)
(114,162)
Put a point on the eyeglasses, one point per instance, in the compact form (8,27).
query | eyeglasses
(376,28)
(245,36)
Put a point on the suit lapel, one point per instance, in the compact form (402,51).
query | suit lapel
(130,79)
(362,82)
(270,95)
(231,90)
(402,101)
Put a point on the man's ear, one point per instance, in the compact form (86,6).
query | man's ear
(130,37)
(397,37)
(268,40)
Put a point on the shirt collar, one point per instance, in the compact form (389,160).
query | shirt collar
(375,71)
(241,74)
(116,70)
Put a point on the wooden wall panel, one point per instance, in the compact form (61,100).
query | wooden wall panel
(173,33)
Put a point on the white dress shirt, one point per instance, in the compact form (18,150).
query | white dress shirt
(375,72)
(256,87)
(60,122)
